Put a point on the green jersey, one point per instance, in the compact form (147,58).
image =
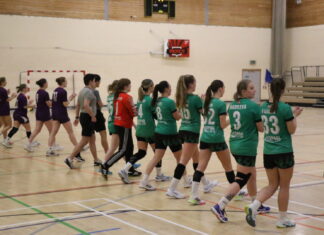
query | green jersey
(277,139)
(145,121)
(164,110)
(244,133)
(110,107)
(212,132)
(191,116)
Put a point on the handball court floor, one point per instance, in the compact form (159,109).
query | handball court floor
(40,195)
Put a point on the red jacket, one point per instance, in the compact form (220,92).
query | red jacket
(125,111)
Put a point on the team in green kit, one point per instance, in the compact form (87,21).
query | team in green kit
(156,126)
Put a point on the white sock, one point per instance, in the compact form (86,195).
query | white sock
(145,179)
(158,171)
(253,198)
(283,215)
(7,139)
(223,203)
(174,184)
(195,189)
(204,180)
(127,167)
(255,205)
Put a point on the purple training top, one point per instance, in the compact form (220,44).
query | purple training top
(4,104)
(59,111)
(21,105)
(42,111)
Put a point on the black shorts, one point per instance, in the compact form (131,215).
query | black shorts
(61,120)
(87,125)
(248,161)
(100,125)
(21,119)
(171,141)
(213,147)
(149,140)
(189,137)
(281,161)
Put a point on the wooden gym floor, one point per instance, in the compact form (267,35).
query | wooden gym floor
(40,195)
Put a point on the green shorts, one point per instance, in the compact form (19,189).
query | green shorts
(189,137)
(112,129)
(281,161)
(150,140)
(213,147)
(248,161)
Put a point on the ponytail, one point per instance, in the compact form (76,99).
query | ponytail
(122,83)
(159,88)
(60,80)
(182,87)
(21,87)
(112,87)
(146,84)
(277,88)
(41,82)
(213,88)
(242,85)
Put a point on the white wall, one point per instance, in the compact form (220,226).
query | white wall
(304,46)
(216,52)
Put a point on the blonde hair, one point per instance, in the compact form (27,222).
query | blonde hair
(146,84)
(182,87)
(242,85)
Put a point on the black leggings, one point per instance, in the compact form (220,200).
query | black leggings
(126,146)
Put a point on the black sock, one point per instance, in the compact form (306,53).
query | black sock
(12,132)
(195,165)
(28,133)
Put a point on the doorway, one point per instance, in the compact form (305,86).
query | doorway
(255,76)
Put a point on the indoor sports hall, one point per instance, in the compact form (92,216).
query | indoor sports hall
(262,58)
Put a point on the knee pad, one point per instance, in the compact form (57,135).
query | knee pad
(197,176)
(12,132)
(138,156)
(179,170)
(242,178)
(230,175)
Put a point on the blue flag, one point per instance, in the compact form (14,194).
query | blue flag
(268,77)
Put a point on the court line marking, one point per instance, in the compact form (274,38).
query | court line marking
(45,214)
(114,218)
(155,216)
(102,231)
(311,183)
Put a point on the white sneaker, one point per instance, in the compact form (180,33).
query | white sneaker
(147,187)
(162,178)
(6,144)
(124,176)
(51,153)
(209,187)
(175,194)
(28,148)
(57,147)
(35,144)
(187,182)
(285,223)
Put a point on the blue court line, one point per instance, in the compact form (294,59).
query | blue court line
(102,231)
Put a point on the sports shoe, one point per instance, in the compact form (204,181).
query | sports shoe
(220,214)
(136,165)
(97,162)
(57,147)
(35,144)
(196,201)
(124,176)
(6,144)
(187,182)
(28,148)
(175,194)
(79,158)
(69,163)
(134,173)
(162,178)
(209,187)
(263,209)
(285,224)
(250,216)
(147,187)
(104,171)
(240,196)
(51,153)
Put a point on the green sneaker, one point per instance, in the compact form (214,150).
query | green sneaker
(196,201)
